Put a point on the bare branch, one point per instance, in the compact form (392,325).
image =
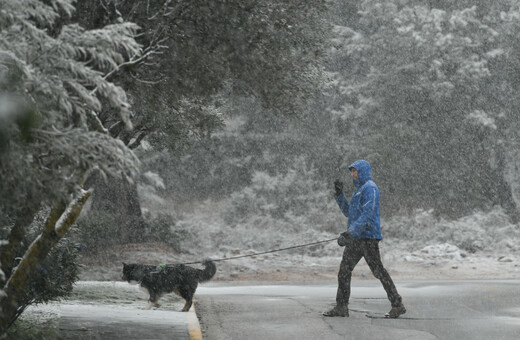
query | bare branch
(131,62)
(134,144)
(148,82)
(116,128)
(96,122)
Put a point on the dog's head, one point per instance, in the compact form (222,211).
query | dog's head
(133,272)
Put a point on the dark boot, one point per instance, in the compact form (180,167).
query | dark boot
(395,312)
(337,311)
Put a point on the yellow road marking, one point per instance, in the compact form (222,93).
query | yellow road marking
(193,325)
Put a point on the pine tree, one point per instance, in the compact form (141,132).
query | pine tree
(53,86)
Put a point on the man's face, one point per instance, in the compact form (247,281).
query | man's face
(354,173)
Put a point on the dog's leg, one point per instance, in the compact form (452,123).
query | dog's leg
(187,306)
(156,301)
(152,301)
(187,295)
(148,306)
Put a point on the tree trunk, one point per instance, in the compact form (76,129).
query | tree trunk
(8,251)
(56,226)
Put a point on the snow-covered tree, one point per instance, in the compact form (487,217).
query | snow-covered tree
(54,84)
(198,55)
(430,89)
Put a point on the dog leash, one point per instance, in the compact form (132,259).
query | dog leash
(261,253)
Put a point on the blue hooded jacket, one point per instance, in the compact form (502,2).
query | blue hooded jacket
(363,211)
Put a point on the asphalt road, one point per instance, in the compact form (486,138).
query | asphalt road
(436,310)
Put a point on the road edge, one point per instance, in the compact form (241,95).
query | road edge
(194,325)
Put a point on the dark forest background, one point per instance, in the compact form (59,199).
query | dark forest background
(426,91)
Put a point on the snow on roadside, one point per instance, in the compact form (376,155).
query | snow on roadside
(436,253)
(422,237)
(94,302)
(486,244)
(480,231)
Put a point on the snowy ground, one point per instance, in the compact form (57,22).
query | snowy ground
(420,247)
(440,261)
(483,245)
(106,307)
(104,287)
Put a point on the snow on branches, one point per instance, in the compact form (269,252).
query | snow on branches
(62,80)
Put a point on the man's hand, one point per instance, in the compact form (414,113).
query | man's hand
(338,187)
(344,238)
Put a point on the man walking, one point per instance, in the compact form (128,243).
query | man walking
(362,239)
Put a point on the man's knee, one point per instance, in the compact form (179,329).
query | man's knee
(345,272)
(379,272)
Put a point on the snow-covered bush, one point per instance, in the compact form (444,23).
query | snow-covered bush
(56,274)
(436,253)
(282,209)
(97,231)
(162,228)
(480,231)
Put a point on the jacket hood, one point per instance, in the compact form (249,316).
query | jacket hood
(364,171)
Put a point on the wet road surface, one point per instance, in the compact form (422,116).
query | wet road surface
(436,310)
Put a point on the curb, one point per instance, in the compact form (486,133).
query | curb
(194,325)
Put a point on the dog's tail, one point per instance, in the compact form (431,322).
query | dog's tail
(207,273)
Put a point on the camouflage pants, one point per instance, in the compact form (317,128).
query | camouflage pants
(354,251)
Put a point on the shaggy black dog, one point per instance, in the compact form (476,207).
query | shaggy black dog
(180,279)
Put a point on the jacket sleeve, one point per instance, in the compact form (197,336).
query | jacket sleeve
(368,211)
(342,201)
